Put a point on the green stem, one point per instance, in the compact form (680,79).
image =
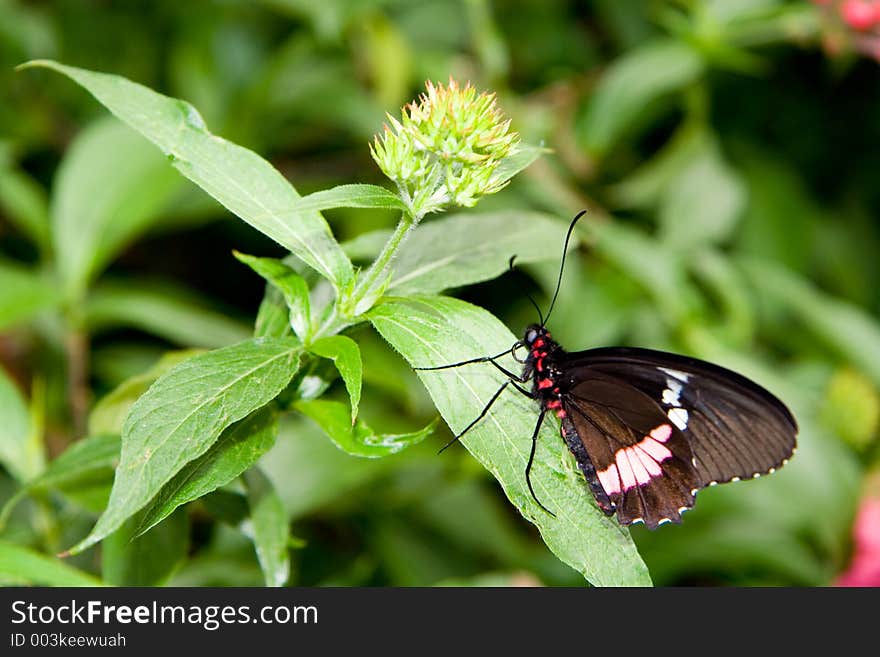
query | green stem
(377,273)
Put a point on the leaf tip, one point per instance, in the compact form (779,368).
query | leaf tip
(37,63)
(83,545)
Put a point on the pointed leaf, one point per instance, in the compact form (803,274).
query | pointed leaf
(268,523)
(146,560)
(16,449)
(108,415)
(702,204)
(358,440)
(240,179)
(237,449)
(846,328)
(631,84)
(165,310)
(23,294)
(273,315)
(463,249)
(23,201)
(350,196)
(290,284)
(431,331)
(82,464)
(182,415)
(111,185)
(346,355)
(517,161)
(22,566)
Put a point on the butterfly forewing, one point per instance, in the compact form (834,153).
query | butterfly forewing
(637,458)
(735,428)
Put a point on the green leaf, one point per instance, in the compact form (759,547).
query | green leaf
(129,559)
(182,415)
(23,294)
(385,55)
(631,85)
(268,524)
(851,408)
(346,355)
(702,204)
(350,196)
(433,331)
(726,283)
(273,315)
(241,180)
(23,201)
(310,472)
(780,222)
(657,268)
(226,506)
(162,309)
(237,449)
(20,452)
(846,328)
(111,185)
(645,186)
(109,414)
(367,246)
(462,249)
(290,284)
(358,440)
(81,465)
(22,566)
(518,161)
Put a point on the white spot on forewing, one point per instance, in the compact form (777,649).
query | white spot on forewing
(672,392)
(681,376)
(679,417)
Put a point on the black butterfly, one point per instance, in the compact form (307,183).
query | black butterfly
(648,428)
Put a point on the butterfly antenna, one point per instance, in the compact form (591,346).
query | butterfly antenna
(562,264)
(529,296)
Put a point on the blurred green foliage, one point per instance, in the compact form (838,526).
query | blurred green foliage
(730,170)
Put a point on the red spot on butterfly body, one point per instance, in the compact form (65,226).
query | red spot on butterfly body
(545,383)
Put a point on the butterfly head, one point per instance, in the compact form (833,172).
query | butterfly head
(535,336)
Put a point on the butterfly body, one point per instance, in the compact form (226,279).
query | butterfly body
(648,429)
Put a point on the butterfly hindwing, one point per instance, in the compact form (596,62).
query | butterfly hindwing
(735,428)
(638,463)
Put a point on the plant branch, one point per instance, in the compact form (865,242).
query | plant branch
(77,379)
(372,280)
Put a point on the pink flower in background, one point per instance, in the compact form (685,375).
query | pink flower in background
(859,14)
(864,569)
(851,25)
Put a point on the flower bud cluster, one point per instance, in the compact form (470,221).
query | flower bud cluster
(445,149)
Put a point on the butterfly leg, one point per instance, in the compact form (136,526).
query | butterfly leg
(483,359)
(532,459)
(482,414)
